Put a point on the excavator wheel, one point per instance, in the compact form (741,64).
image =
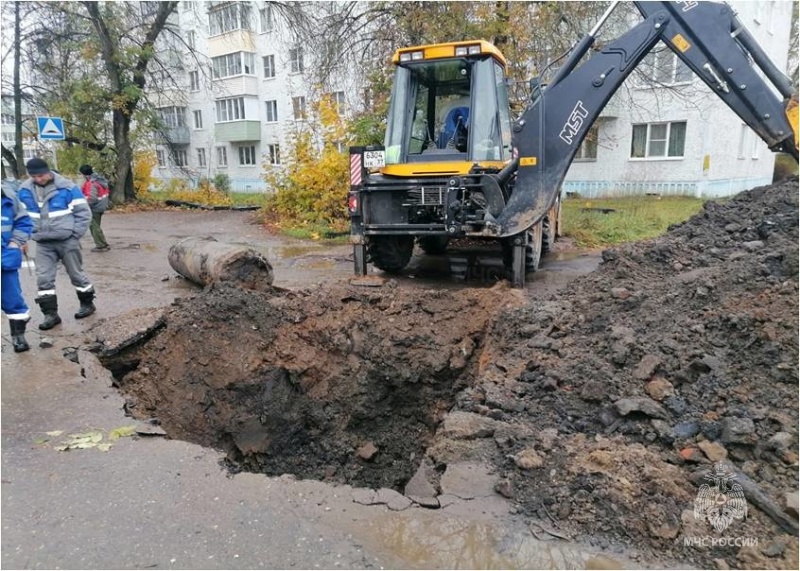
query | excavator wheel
(390,253)
(533,252)
(548,235)
(433,245)
(550,229)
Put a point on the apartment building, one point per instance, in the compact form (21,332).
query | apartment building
(247,89)
(251,86)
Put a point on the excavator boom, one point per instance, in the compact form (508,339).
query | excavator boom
(706,36)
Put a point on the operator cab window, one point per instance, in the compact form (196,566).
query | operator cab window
(447,110)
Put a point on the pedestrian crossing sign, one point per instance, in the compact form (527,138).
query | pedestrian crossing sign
(51,128)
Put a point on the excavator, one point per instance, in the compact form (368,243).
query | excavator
(455,165)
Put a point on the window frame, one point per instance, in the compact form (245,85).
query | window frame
(194,81)
(229,17)
(246,155)
(234,107)
(266,20)
(274,153)
(296,64)
(299,108)
(198,124)
(667,140)
(222,156)
(233,64)
(273,111)
(271,58)
(201,157)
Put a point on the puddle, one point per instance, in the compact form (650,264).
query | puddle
(439,541)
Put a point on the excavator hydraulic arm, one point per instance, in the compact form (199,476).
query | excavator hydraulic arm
(706,36)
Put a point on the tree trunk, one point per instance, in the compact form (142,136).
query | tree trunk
(19,164)
(124,175)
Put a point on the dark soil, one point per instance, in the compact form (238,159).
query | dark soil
(298,382)
(695,336)
(601,407)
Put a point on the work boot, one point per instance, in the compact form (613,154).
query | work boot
(49,306)
(87,307)
(18,335)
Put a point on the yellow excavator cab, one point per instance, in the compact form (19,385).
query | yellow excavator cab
(449,110)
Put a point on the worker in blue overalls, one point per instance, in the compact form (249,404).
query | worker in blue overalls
(17,228)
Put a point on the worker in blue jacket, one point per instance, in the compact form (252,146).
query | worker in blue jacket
(17,228)
(61,216)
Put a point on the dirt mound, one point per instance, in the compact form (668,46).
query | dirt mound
(677,352)
(601,408)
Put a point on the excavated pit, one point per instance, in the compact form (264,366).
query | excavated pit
(341,384)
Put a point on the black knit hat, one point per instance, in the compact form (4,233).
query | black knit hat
(37,166)
(86,170)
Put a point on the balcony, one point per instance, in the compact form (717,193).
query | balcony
(237,85)
(175,136)
(238,131)
(235,41)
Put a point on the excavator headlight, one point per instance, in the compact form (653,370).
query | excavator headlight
(461,50)
(417,55)
(405,57)
(474,50)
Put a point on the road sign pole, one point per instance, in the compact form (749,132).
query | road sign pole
(55,155)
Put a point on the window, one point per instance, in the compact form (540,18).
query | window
(272,111)
(337,101)
(269,66)
(222,157)
(201,157)
(588,149)
(658,140)
(237,63)
(8,136)
(663,67)
(247,155)
(198,119)
(8,119)
(299,108)
(266,18)
(296,60)
(161,158)
(179,157)
(173,116)
(230,109)
(191,39)
(743,135)
(194,81)
(229,17)
(274,154)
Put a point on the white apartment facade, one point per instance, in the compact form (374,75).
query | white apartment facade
(241,104)
(683,140)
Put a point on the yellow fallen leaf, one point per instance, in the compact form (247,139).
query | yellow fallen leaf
(104,446)
(55,433)
(122,432)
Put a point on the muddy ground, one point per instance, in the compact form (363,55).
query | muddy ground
(598,407)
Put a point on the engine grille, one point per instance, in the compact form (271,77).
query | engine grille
(426,196)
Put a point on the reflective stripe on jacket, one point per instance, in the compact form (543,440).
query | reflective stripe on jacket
(58,209)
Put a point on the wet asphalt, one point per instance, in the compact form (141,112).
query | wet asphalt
(149,502)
